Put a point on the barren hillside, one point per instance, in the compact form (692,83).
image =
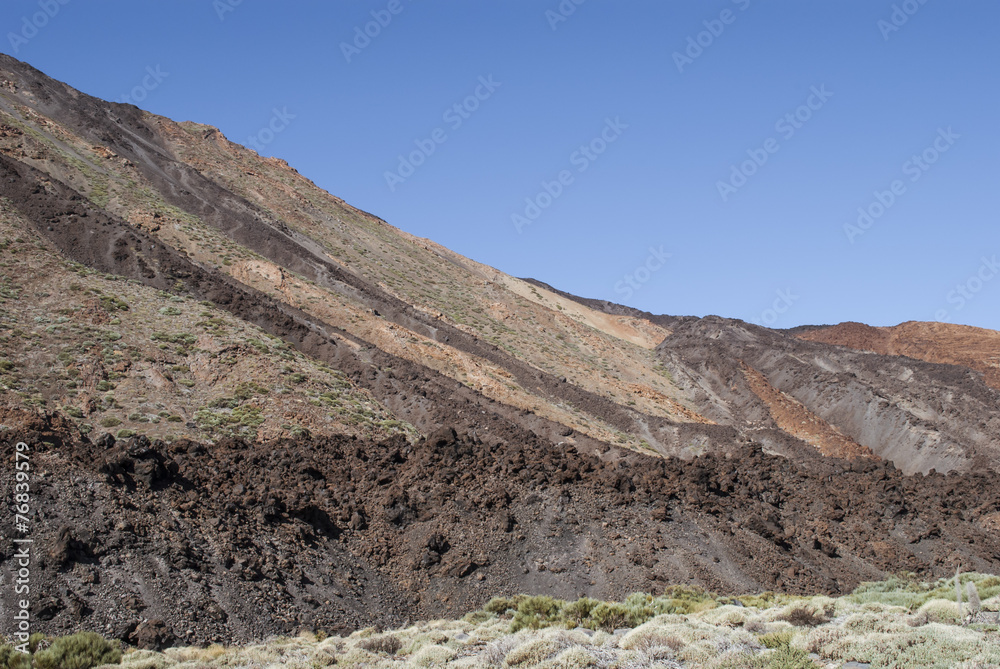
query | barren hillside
(946,343)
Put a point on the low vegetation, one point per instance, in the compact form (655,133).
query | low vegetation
(112,355)
(898,623)
(77,651)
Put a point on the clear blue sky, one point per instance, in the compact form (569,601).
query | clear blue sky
(778,239)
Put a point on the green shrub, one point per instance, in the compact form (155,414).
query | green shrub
(245,391)
(259,345)
(110,421)
(535,613)
(783,658)
(477,617)
(183,338)
(578,613)
(248,416)
(224,403)
(640,608)
(500,606)
(684,600)
(895,591)
(775,640)
(33,642)
(764,600)
(125,434)
(73,412)
(78,651)
(13,659)
(112,303)
(104,386)
(297,431)
(609,616)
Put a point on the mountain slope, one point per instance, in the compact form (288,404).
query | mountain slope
(919,415)
(341,424)
(945,343)
(583,372)
(236,542)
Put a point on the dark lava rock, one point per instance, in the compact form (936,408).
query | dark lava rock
(152,635)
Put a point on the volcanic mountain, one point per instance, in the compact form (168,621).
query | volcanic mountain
(252,407)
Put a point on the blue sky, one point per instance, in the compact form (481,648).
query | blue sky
(685,157)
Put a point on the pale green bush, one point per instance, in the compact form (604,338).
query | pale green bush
(433,656)
(576,657)
(731,616)
(940,611)
(532,653)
